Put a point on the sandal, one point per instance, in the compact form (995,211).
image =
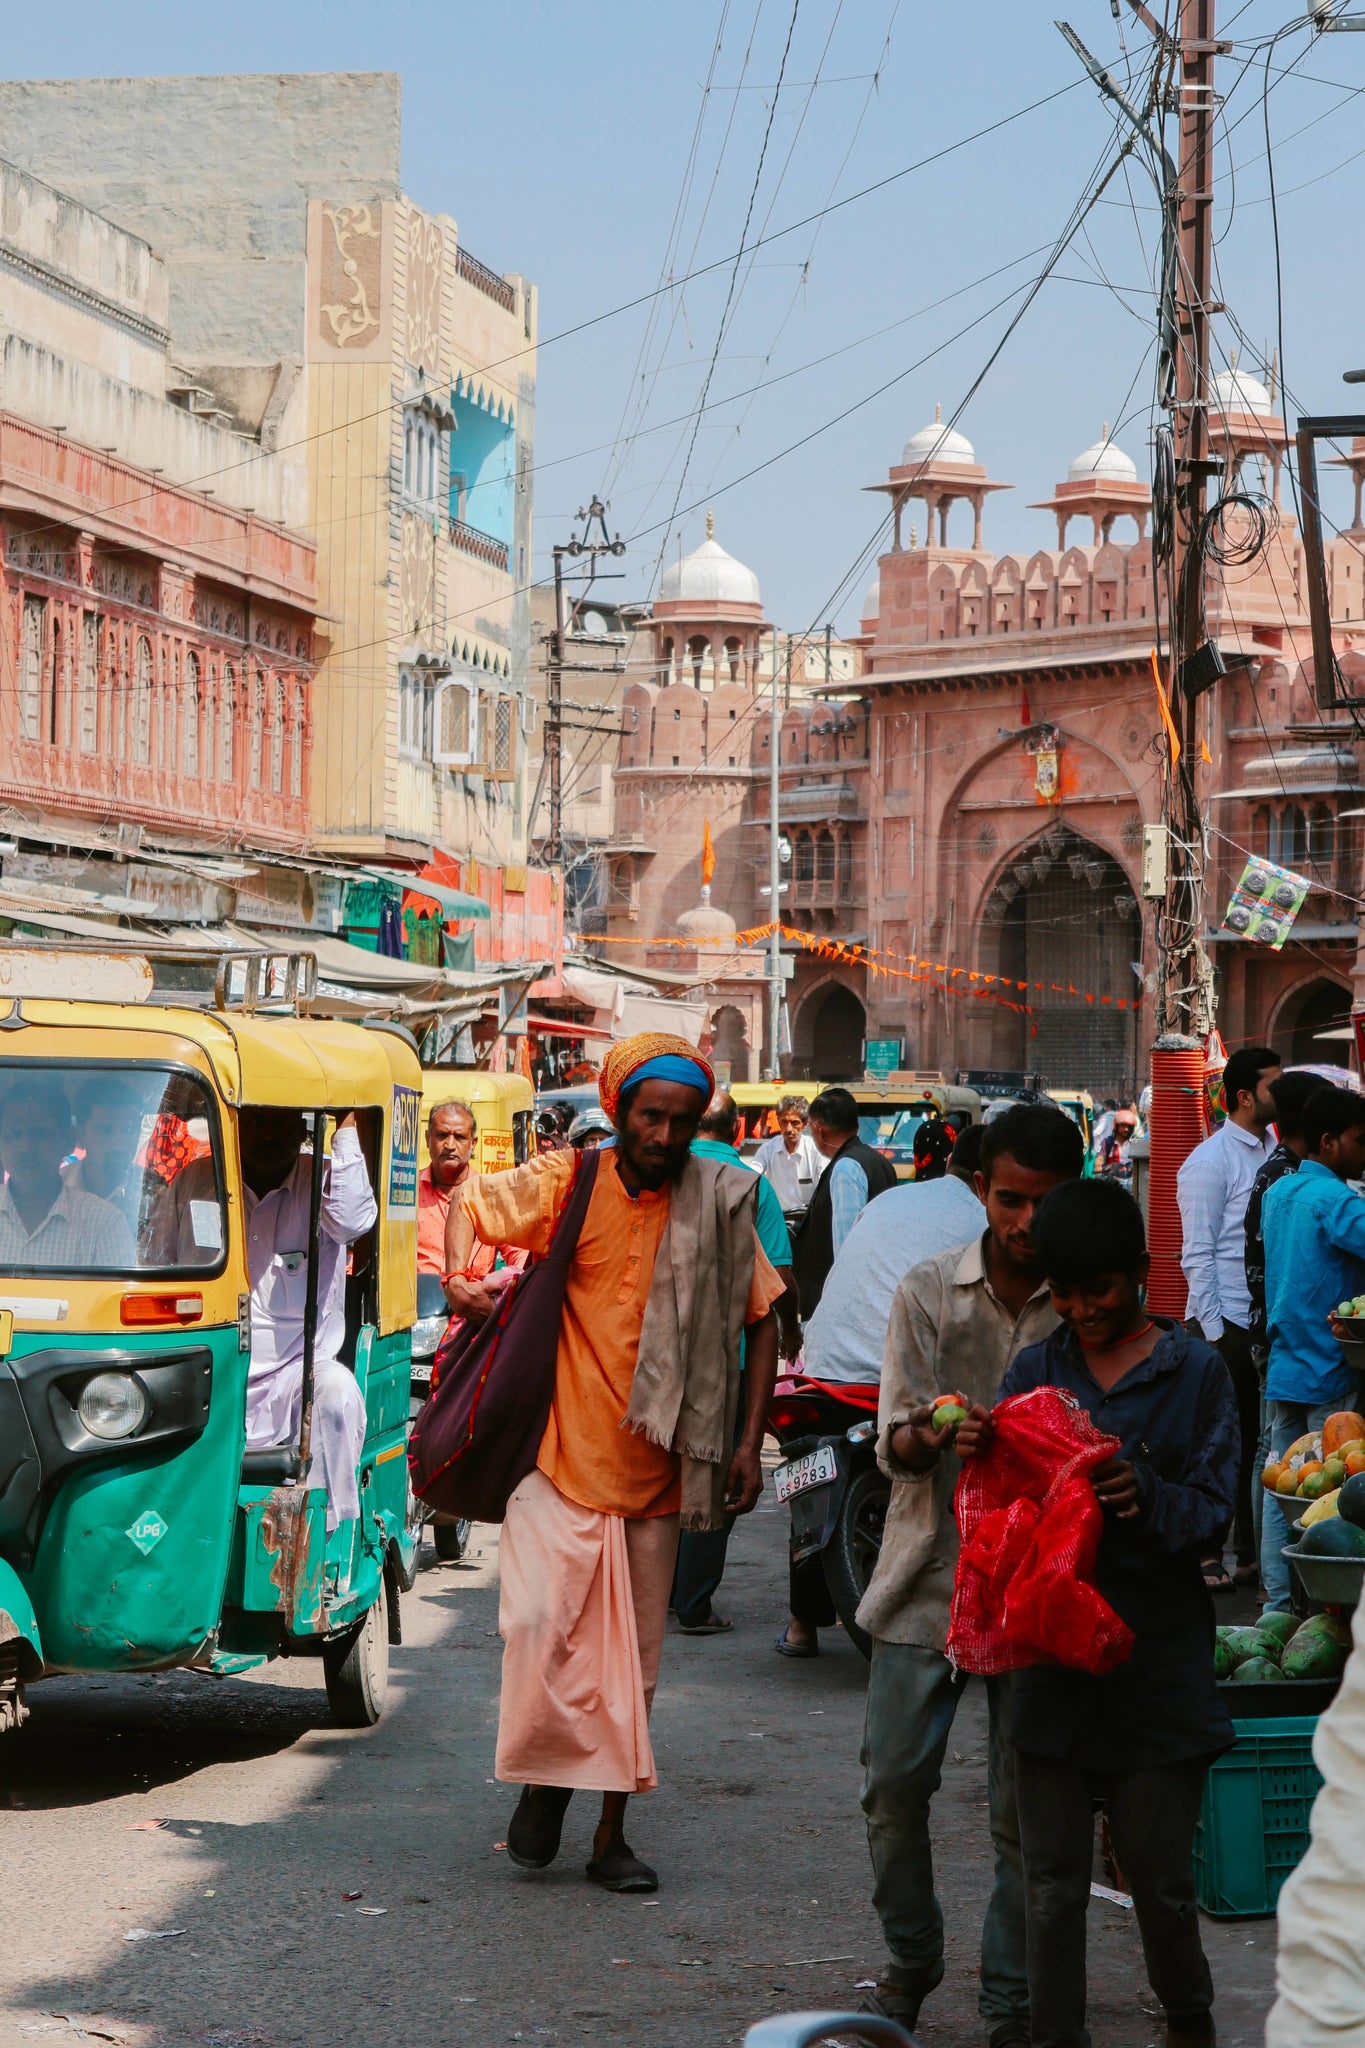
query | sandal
(1216,1576)
(534,1830)
(621,1870)
(786,1648)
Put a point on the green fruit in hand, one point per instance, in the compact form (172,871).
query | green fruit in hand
(948,1414)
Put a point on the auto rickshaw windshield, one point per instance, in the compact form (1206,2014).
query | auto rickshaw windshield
(108,1169)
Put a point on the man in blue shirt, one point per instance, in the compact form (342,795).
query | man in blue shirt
(1314,1231)
(701,1553)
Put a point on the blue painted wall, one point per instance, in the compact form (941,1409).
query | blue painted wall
(483,454)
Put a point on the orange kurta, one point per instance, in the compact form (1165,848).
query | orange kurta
(587,1453)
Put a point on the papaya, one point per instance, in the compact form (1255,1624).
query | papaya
(1317,1650)
(1256,1671)
(1312,1483)
(1242,1643)
(1270,1474)
(1351,1500)
(1307,1446)
(1288,1481)
(1334,1471)
(1333,1538)
(1341,1429)
(1322,1509)
(1355,1462)
(1272,1622)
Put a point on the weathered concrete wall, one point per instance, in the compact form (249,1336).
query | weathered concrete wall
(215,173)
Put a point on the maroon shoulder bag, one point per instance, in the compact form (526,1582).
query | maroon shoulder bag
(480,1433)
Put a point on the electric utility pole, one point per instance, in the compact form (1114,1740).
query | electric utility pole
(555,666)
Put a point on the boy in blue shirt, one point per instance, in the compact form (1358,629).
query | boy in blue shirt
(1313,1226)
(1140,1738)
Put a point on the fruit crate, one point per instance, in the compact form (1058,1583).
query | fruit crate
(1253,1826)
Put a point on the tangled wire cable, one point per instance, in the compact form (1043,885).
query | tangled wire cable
(1217,542)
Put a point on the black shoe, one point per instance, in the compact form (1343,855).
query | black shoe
(893,2001)
(1011,2033)
(1190,2030)
(534,1829)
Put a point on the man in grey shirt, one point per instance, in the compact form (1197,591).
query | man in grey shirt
(956,1323)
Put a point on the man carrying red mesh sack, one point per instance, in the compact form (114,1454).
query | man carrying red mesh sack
(1096,1567)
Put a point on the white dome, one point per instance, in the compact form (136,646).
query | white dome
(1235,391)
(710,575)
(1104,462)
(872,600)
(937,443)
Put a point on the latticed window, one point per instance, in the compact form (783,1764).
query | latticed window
(257,731)
(31,669)
(502,737)
(277,741)
(88,735)
(191,717)
(227,726)
(824,856)
(296,751)
(805,857)
(142,703)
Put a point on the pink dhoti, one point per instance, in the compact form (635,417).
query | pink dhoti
(583,1608)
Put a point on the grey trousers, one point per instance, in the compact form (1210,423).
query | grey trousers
(912,1697)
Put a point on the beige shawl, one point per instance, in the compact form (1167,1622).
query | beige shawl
(686,1388)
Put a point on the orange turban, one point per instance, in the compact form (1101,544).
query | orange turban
(652,1056)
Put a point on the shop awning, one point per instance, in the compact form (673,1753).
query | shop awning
(452,902)
(556,1027)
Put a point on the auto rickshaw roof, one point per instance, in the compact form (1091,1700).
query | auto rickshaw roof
(280,1062)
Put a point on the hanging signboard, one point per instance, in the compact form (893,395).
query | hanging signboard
(1265,903)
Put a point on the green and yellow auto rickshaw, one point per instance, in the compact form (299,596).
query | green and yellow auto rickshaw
(137,1531)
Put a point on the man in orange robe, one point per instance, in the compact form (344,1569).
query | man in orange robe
(639,1436)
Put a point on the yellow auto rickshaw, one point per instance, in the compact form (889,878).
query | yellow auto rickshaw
(890,1112)
(758,1100)
(137,1530)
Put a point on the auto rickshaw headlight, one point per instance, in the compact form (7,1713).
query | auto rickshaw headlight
(112,1405)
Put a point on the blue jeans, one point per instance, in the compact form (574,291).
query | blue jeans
(912,1697)
(1288,1420)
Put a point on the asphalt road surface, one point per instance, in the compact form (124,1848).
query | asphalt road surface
(232,1821)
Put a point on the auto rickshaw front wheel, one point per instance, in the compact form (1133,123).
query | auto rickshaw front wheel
(356,1668)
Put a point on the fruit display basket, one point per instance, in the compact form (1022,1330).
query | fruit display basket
(1253,1826)
(1334,1581)
(1291,1506)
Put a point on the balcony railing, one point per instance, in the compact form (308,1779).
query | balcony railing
(485,280)
(481,546)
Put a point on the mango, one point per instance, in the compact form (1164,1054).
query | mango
(1324,1506)
(948,1414)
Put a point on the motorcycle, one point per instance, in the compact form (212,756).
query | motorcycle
(830,1480)
(449,1533)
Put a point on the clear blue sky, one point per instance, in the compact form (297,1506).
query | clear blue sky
(559,138)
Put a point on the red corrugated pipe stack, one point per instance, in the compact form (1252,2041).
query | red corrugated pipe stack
(1178,1123)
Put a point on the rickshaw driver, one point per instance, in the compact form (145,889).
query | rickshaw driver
(43,1222)
(277,1184)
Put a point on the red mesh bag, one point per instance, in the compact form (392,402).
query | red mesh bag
(1030,1527)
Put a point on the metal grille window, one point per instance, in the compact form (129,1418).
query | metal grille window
(31,669)
(296,751)
(457,724)
(257,731)
(502,737)
(277,741)
(414,722)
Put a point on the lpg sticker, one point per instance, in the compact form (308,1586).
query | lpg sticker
(147,1531)
(407,1116)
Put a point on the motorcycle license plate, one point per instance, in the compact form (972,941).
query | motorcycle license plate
(817,1468)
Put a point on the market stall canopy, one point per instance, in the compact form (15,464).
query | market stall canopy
(452,902)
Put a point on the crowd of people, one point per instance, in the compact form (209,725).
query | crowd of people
(1004,1268)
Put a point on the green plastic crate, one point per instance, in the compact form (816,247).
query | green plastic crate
(1253,1827)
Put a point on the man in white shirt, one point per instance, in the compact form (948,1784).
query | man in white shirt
(1213,1188)
(43,1223)
(276,1184)
(791,1160)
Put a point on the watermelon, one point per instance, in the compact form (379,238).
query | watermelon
(1256,1671)
(1282,1625)
(1333,1538)
(1242,1643)
(1351,1501)
(1318,1650)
